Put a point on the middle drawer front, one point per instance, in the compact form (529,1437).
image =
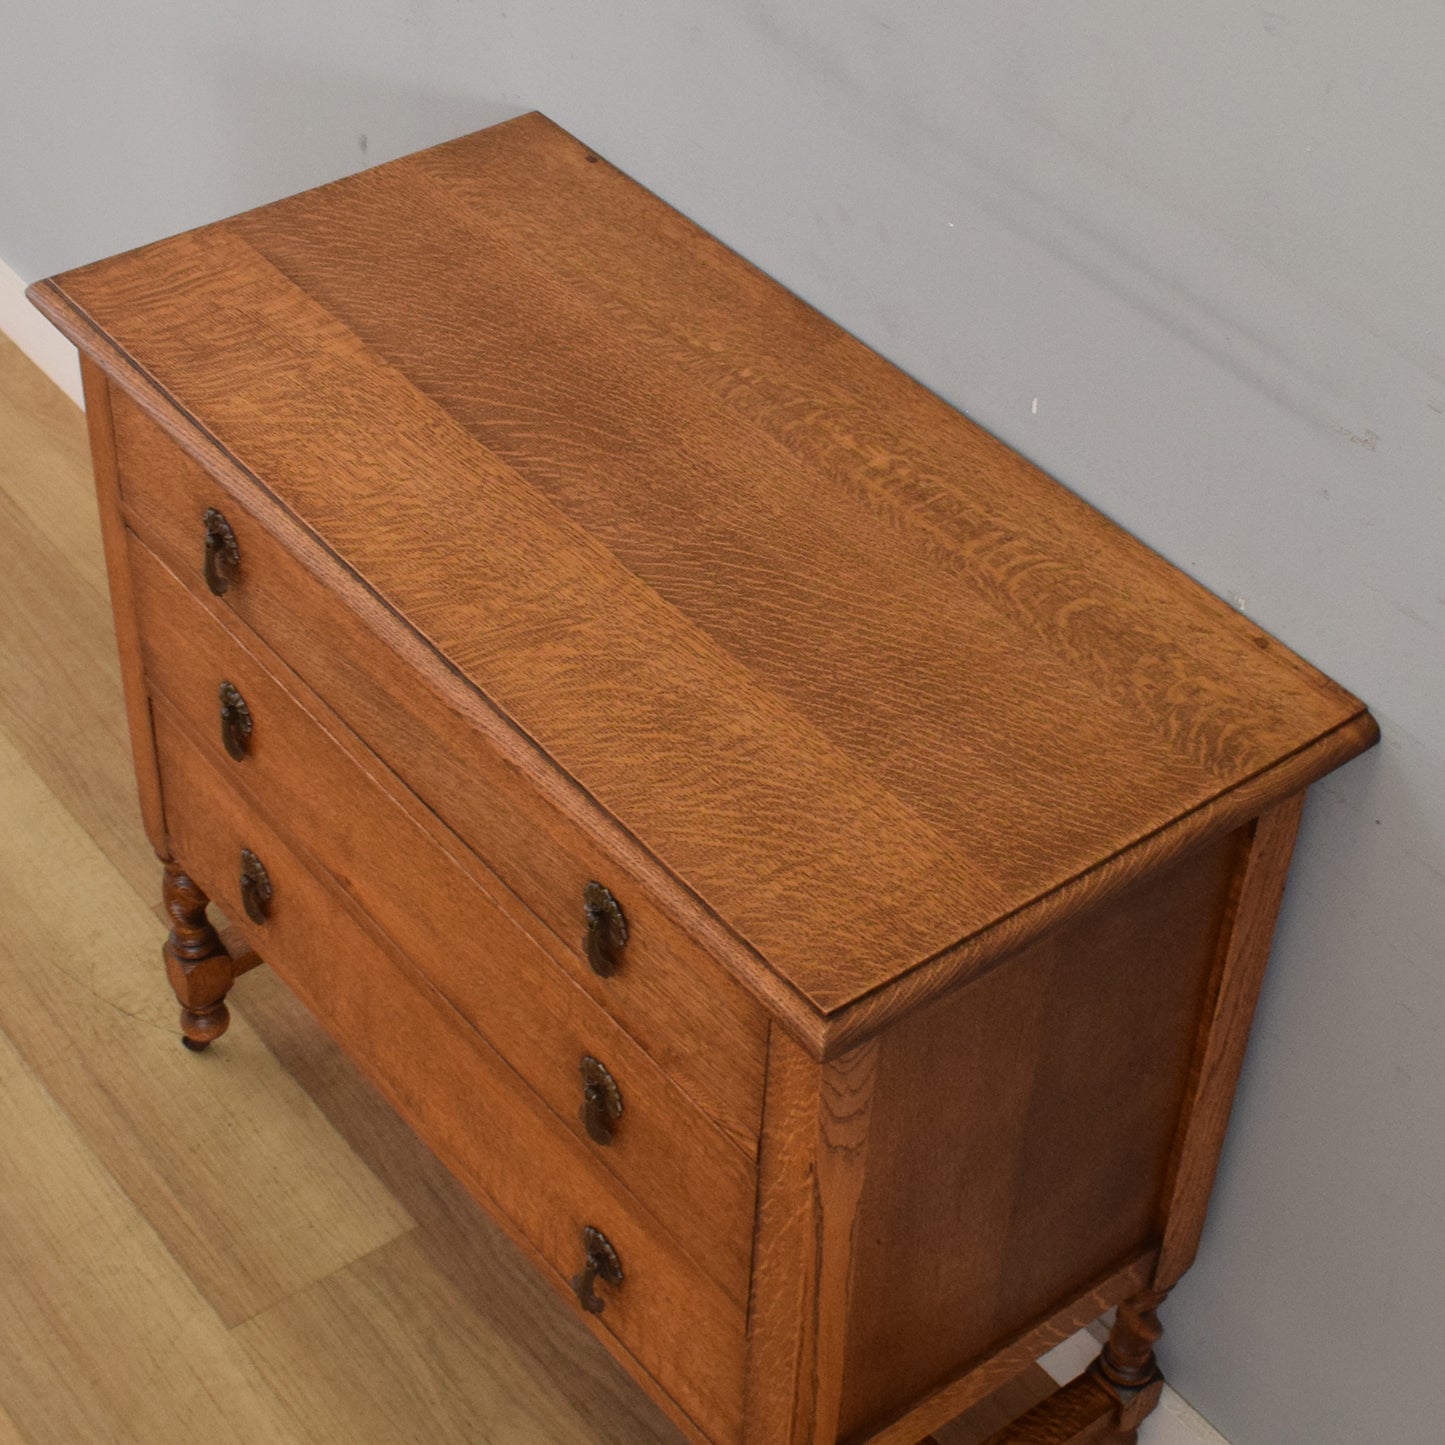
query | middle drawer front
(459,1096)
(668,1153)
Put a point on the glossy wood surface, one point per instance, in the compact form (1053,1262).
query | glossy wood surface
(860,680)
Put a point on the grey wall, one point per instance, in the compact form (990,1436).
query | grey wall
(1189,258)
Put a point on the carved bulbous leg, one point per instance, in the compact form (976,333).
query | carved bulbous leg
(1128,1359)
(1127,1366)
(199,968)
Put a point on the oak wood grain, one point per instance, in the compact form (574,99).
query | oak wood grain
(581,410)
(975,678)
(1023,1129)
(437,725)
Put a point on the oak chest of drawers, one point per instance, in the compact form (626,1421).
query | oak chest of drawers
(804,870)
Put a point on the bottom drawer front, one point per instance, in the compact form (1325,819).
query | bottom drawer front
(481,1120)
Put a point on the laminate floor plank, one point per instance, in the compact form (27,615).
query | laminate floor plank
(60,696)
(58,671)
(388,1349)
(236,1169)
(10,1431)
(105,1338)
(45,463)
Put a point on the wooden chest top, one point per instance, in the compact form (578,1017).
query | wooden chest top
(878,695)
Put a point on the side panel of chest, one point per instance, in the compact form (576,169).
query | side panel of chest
(943,1203)
(1021,1130)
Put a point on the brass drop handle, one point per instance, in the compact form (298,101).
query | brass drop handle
(235,721)
(223,556)
(256,890)
(602,1263)
(601,1100)
(606,930)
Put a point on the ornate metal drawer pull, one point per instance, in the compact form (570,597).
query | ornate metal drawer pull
(601,1100)
(223,556)
(256,888)
(606,930)
(235,721)
(602,1263)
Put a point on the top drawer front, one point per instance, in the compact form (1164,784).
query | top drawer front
(676,1001)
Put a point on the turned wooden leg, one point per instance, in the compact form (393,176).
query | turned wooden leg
(199,968)
(1127,1365)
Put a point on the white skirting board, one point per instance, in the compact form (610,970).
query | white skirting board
(36,337)
(1172,1423)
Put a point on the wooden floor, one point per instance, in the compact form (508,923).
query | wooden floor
(245,1245)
